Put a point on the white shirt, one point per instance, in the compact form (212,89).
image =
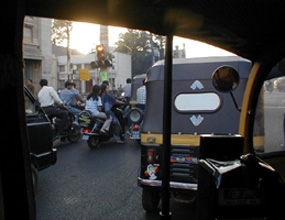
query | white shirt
(92,105)
(127,89)
(141,95)
(48,96)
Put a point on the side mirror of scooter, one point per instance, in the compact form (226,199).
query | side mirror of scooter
(226,79)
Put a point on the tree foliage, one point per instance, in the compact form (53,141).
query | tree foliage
(60,32)
(144,47)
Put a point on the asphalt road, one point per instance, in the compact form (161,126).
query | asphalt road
(274,108)
(96,184)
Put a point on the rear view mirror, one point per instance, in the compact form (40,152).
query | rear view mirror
(225,79)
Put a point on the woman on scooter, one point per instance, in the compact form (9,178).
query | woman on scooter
(94,104)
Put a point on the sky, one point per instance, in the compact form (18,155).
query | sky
(85,36)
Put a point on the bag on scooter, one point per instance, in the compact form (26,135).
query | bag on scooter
(84,118)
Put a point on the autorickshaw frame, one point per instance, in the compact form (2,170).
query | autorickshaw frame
(253,32)
(185,134)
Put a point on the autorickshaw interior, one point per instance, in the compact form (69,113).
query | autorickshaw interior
(248,28)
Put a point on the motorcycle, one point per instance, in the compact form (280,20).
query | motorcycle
(73,132)
(91,127)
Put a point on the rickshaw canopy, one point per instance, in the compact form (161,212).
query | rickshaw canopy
(192,78)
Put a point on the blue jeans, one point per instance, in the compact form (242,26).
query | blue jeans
(74,111)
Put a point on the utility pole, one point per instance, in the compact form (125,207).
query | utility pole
(104,41)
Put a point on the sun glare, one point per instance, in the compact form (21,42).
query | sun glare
(85,36)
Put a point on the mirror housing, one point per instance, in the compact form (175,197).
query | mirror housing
(225,79)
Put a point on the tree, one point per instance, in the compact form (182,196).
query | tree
(144,50)
(60,34)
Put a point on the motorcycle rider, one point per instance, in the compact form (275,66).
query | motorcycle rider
(94,104)
(67,95)
(48,97)
(108,102)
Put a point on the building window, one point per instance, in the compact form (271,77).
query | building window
(61,68)
(88,66)
(28,34)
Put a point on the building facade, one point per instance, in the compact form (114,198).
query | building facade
(116,75)
(44,60)
(37,52)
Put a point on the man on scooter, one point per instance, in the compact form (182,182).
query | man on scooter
(108,102)
(47,98)
(67,95)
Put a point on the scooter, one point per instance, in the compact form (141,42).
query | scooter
(91,128)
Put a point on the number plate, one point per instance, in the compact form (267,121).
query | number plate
(85,137)
(135,135)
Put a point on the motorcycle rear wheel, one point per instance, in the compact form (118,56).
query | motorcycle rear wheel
(75,134)
(93,142)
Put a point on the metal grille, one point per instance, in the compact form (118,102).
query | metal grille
(184,163)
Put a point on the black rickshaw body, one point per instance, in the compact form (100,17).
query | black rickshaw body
(135,113)
(40,134)
(191,84)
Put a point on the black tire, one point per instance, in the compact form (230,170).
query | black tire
(93,142)
(150,200)
(75,134)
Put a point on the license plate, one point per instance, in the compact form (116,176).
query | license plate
(85,137)
(135,135)
(234,197)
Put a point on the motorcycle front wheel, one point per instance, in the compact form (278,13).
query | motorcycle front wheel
(93,142)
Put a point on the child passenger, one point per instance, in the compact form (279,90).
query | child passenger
(94,104)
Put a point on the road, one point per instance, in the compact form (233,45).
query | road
(101,184)
(274,108)
(96,184)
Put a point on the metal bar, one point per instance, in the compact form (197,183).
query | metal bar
(167,106)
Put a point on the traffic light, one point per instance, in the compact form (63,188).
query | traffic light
(101,63)
(102,59)
(100,52)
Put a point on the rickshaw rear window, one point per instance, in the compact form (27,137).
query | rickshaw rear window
(189,102)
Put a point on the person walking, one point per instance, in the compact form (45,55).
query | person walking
(31,86)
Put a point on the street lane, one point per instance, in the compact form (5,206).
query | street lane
(96,184)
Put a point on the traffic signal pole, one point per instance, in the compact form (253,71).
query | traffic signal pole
(165,213)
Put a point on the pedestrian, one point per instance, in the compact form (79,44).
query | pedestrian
(127,89)
(141,96)
(31,86)
(94,104)
(48,98)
